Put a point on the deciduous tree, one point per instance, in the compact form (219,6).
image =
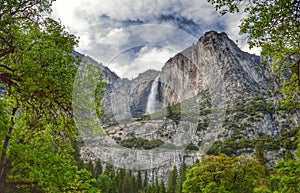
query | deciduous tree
(37,127)
(222,174)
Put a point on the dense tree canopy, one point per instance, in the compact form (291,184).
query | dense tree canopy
(36,125)
(222,174)
(273,25)
(287,174)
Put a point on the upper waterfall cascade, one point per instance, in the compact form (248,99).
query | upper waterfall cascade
(152,100)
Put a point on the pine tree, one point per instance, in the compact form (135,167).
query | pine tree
(145,184)
(104,183)
(98,169)
(259,154)
(156,185)
(181,177)
(162,188)
(260,157)
(133,184)
(119,181)
(172,181)
(139,181)
(113,188)
(89,166)
(110,171)
(126,188)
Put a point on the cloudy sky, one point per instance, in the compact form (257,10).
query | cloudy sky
(130,36)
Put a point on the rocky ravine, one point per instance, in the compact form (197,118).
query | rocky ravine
(210,98)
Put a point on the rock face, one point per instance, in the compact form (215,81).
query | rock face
(211,96)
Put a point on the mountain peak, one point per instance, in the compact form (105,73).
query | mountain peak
(213,34)
(213,40)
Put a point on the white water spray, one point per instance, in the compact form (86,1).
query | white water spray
(151,102)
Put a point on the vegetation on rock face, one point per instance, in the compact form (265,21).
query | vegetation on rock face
(141,143)
(192,147)
(174,112)
(287,140)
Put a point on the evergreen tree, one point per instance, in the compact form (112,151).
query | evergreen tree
(109,171)
(162,188)
(145,183)
(134,184)
(259,154)
(139,181)
(263,183)
(181,178)
(89,166)
(172,181)
(113,188)
(98,169)
(104,183)
(126,187)
(156,185)
(119,181)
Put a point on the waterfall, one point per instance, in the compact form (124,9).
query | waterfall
(152,102)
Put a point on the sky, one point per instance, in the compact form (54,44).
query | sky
(131,36)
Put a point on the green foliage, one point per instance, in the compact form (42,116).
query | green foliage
(139,185)
(288,139)
(262,190)
(202,125)
(231,147)
(222,174)
(287,177)
(89,166)
(143,118)
(141,143)
(38,135)
(104,183)
(109,170)
(259,154)
(213,174)
(172,181)
(162,188)
(98,169)
(174,112)
(191,147)
(181,177)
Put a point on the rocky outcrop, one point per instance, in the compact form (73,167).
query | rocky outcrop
(211,96)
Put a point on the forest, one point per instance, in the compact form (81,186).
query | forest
(39,145)
(212,174)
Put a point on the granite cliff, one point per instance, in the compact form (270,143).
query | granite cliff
(210,98)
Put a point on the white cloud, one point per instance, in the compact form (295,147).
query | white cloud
(148,57)
(108,28)
(149,54)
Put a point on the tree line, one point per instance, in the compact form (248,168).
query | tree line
(211,174)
